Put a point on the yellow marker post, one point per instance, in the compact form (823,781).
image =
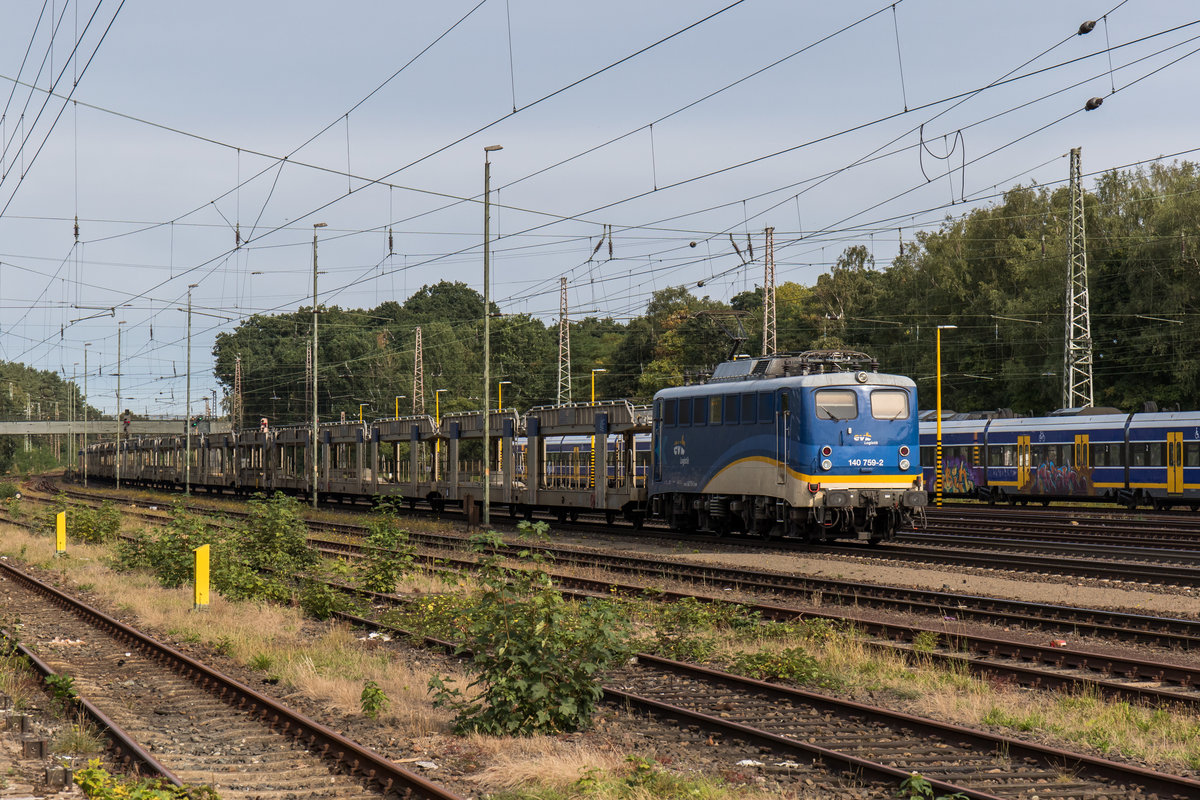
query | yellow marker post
(60,534)
(200,602)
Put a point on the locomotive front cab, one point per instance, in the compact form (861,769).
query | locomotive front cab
(857,455)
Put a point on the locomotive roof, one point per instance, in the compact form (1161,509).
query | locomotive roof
(780,365)
(865,379)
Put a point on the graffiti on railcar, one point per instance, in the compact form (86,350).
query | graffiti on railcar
(1050,478)
(960,477)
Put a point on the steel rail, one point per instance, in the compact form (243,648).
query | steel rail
(348,755)
(126,749)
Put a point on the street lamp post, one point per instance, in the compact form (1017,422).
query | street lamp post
(119,423)
(487,334)
(361,406)
(399,397)
(314,448)
(85,395)
(937,483)
(187,415)
(592,476)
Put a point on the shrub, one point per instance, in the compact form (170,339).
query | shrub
(535,657)
(267,556)
(97,782)
(387,554)
(373,700)
(86,524)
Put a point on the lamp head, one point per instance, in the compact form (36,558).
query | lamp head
(491,148)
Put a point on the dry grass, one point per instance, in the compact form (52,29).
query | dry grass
(543,760)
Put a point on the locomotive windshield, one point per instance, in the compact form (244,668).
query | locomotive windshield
(837,404)
(889,404)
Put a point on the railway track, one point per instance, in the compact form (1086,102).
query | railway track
(791,725)
(930,754)
(1169,633)
(200,725)
(1138,679)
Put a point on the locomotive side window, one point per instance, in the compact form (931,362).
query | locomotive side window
(668,413)
(685,411)
(889,404)
(733,407)
(700,411)
(748,415)
(766,407)
(837,404)
(714,409)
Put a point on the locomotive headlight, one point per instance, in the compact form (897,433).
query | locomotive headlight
(904,464)
(904,451)
(827,451)
(826,464)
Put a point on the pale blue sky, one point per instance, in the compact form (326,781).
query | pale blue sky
(186,102)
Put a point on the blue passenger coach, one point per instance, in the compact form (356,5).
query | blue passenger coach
(1093,454)
(808,445)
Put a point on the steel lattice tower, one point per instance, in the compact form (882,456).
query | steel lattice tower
(418,393)
(564,346)
(1077,350)
(237,393)
(769,346)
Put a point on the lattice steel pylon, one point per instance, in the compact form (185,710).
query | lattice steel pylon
(769,346)
(1077,349)
(564,345)
(418,392)
(308,376)
(237,393)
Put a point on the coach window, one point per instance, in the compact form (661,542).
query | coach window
(1191,454)
(748,412)
(1138,454)
(1156,454)
(928,455)
(733,406)
(699,410)
(889,404)
(837,404)
(668,416)
(685,411)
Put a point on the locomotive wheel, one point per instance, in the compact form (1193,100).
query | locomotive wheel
(610,517)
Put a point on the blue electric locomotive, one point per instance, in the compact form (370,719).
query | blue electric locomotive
(816,445)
